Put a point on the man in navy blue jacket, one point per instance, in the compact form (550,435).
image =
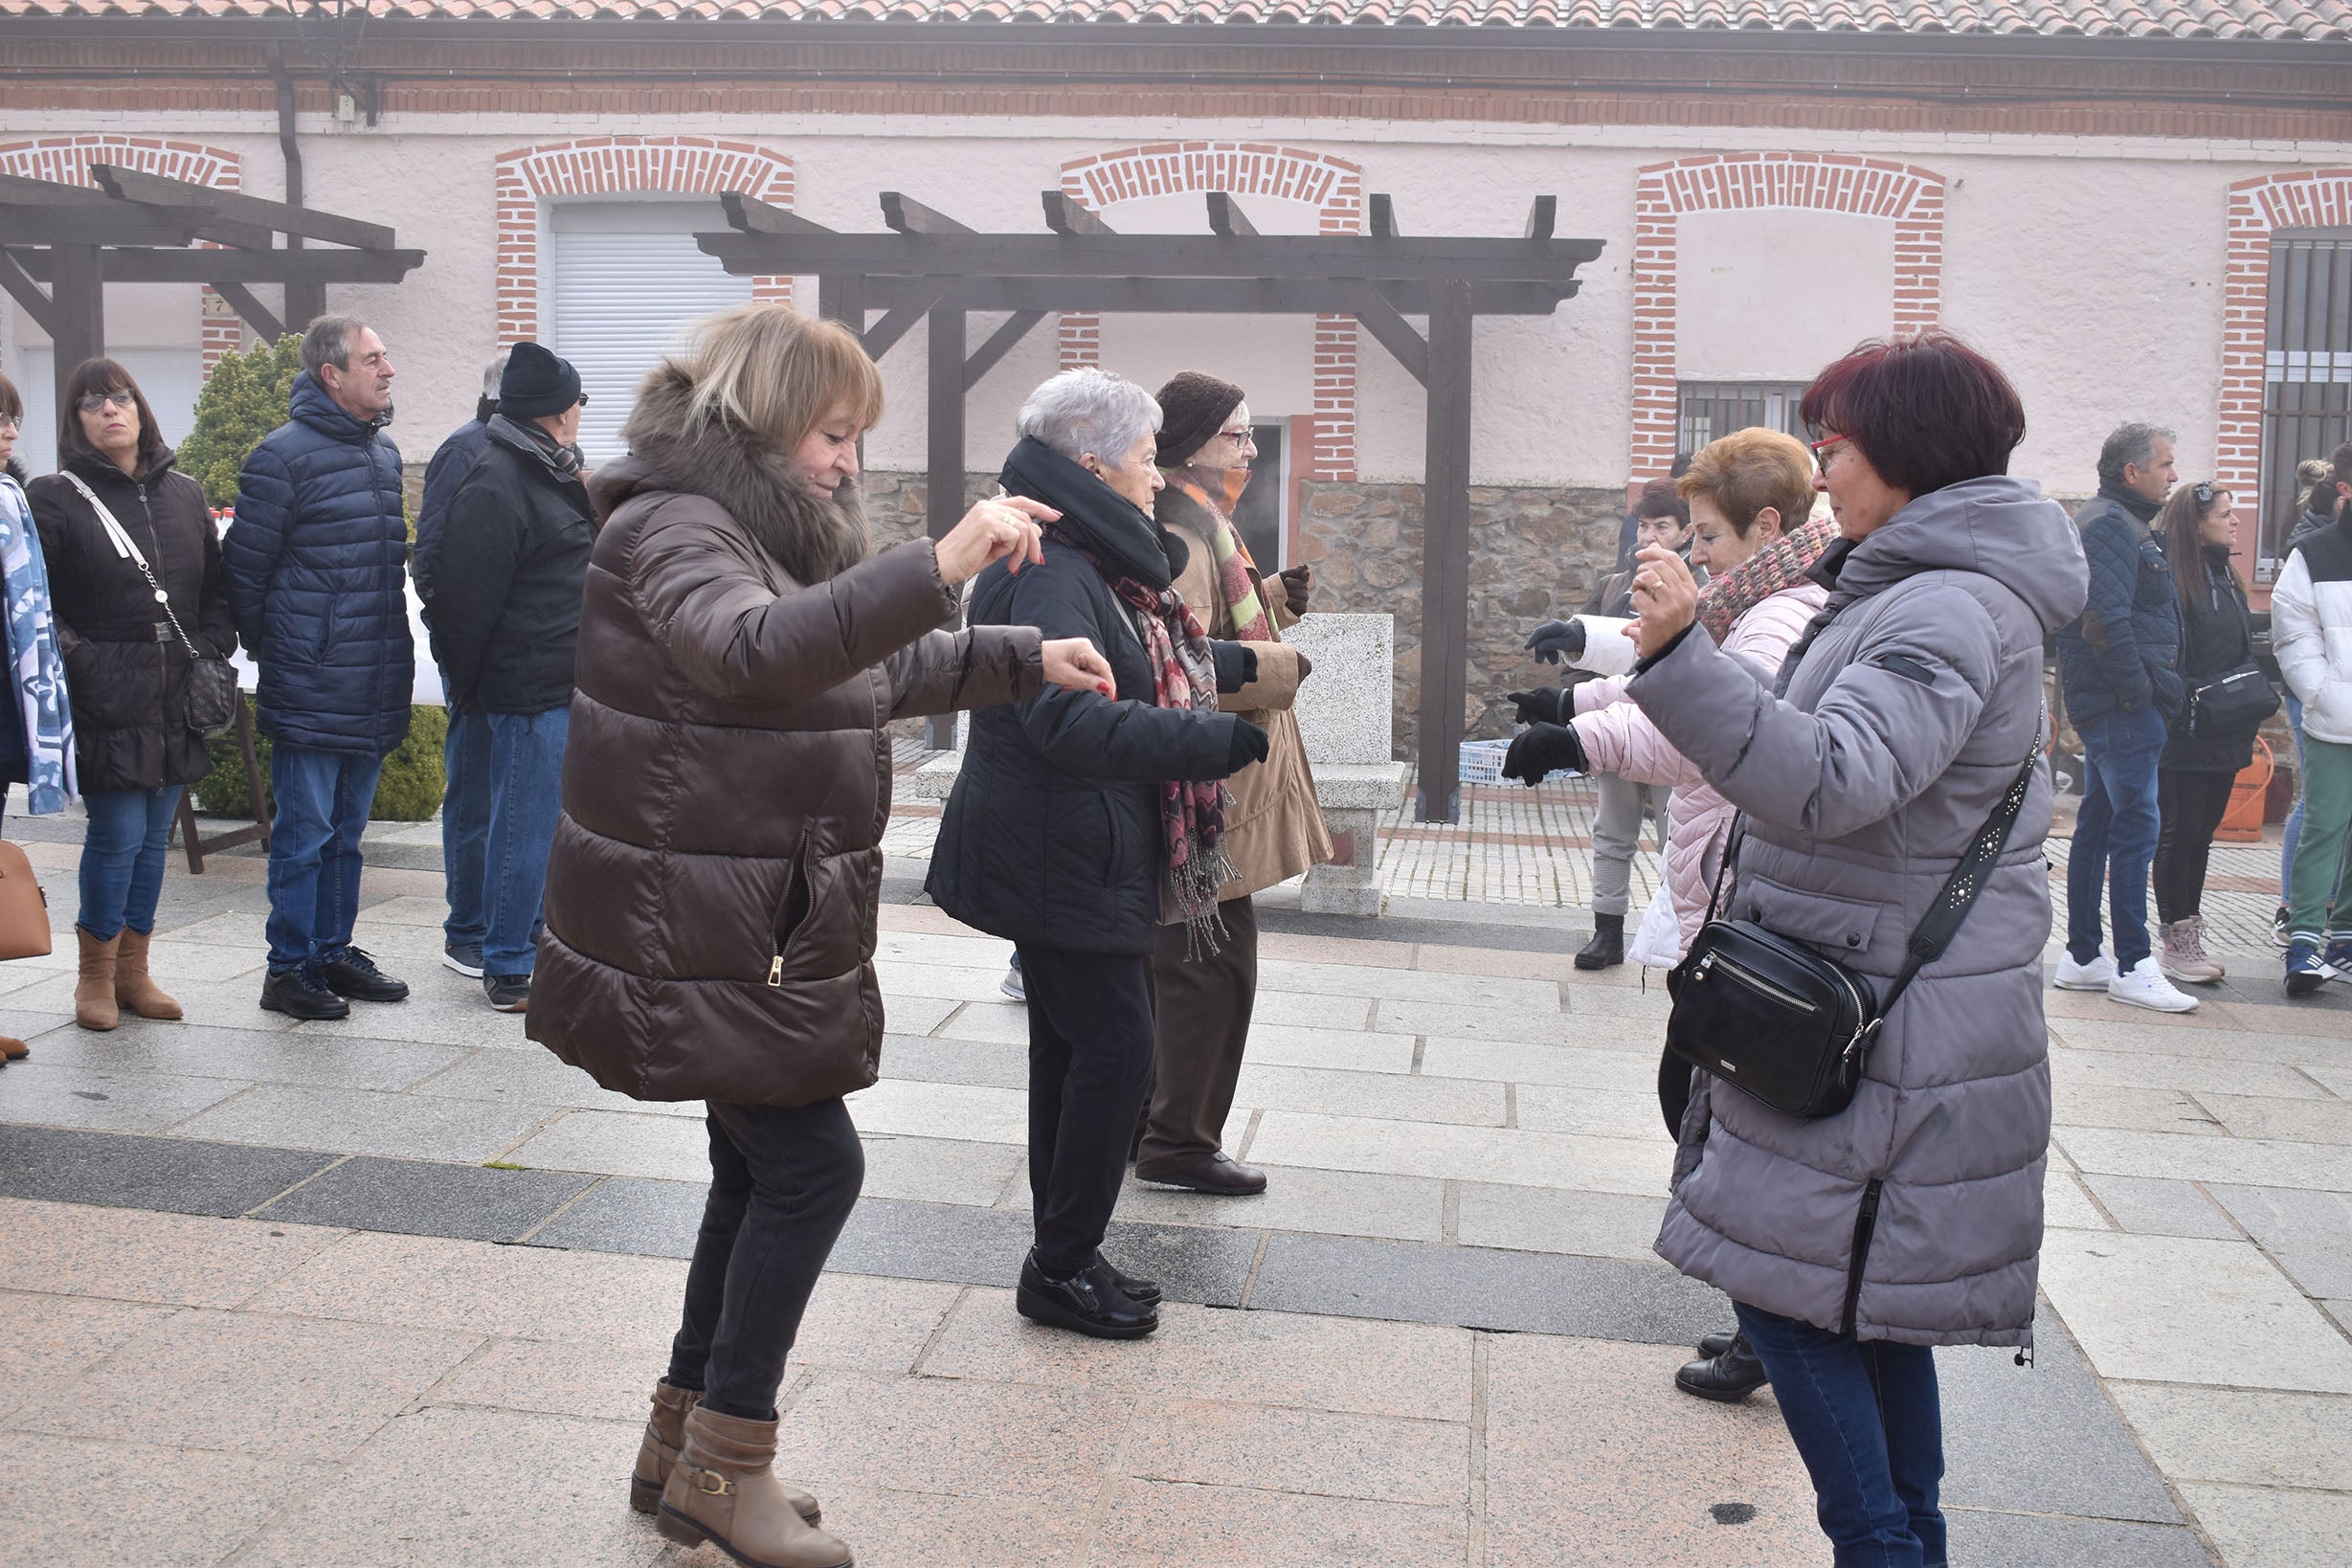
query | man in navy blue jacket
(2119,666)
(316,561)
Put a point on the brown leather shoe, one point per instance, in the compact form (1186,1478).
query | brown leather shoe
(93,1003)
(133,987)
(723,1491)
(13,1049)
(1213,1173)
(658,1454)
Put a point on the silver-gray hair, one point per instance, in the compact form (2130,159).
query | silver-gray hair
(2130,446)
(329,341)
(1089,410)
(495,372)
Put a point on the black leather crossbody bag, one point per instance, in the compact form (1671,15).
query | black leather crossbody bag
(1777,1020)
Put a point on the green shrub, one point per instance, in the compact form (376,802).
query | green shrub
(409,789)
(245,400)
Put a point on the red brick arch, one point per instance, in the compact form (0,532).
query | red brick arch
(599,165)
(1910,197)
(1335,185)
(66,160)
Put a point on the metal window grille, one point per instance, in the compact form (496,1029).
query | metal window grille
(1707,411)
(2307,371)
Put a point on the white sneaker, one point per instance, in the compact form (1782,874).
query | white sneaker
(2098,975)
(1011,985)
(2144,985)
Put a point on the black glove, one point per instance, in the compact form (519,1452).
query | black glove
(1236,665)
(1297,583)
(1547,705)
(1557,638)
(1539,750)
(1249,746)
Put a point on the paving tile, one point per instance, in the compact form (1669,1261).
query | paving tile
(899,1529)
(41,1092)
(1558,1220)
(2065,1204)
(1219,1443)
(1335,1202)
(279,1387)
(2248,1437)
(1308,1011)
(1983,1539)
(1571,1066)
(905,979)
(421,1493)
(2288,1045)
(1636,1008)
(2255,1162)
(419,1199)
(2308,1234)
(2262,1528)
(435,1014)
(1393,1096)
(1589,1462)
(126,1255)
(1410,1371)
(620,1143)
(1353,981)
(1347,1050)
(1528,1026)
(1484,1288)
(363,1122)
(1184,1526)
(2143,1109)
(2244,1325)
(944,1060)
(940,1170)
(943,1111)
(30,1023)
(2157,1206)
(950,1435)
(221,1002)
(160,1508)
(1604,1114)
(1639,1167)
(985,1246)
(50,1340)
(474,1287)
(536,1078)
(2087,1072)
(196,1050)
(2300,1121)
(180,1175)
(594,1382)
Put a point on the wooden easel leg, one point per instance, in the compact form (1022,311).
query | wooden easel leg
(256,786)
(189,838)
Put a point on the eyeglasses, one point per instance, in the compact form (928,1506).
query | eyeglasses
(1821,448)
(1239,437)
(122,397)
(8,422)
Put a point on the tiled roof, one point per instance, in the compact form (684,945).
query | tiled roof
(2272,19)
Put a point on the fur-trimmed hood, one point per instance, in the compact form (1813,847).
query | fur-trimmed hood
(812,535)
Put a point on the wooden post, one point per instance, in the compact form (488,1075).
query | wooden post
(1445,557)
(944,492)
(192,842)
(78,296)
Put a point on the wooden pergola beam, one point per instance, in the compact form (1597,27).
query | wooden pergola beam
(254,211)
(27,293)
(255,314)
(1192,296)
(1226,218)
(137,265)
(1296,257)
(1394,333)
(749,214)
(1065,215)
(906,216)
(1000,344)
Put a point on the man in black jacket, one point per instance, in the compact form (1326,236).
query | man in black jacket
(513,557)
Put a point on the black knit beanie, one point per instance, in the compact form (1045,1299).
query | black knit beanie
(1192,408)
(536,384)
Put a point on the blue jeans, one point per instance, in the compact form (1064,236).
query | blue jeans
(2115,834)
(321,801)
(2293,832)
(465,827)
(122,858)
(527,775)
(1868,1421)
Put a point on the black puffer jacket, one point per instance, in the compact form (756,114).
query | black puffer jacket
(1053,835)
(2217,635)
(512,559)
(126,671)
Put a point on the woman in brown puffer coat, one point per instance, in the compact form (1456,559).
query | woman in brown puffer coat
(711,891)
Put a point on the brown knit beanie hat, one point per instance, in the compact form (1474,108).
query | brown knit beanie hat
(1191,407)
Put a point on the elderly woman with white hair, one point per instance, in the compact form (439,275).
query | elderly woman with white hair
(1080,817)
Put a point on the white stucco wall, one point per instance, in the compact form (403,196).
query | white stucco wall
(2089,269)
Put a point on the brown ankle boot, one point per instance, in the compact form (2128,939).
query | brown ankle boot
(665,1431)
(93,1003)
(723,1491)
(133,987)
(13,1049)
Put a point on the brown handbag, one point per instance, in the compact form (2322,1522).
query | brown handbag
(24,908)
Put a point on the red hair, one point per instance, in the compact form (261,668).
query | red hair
(1926,411)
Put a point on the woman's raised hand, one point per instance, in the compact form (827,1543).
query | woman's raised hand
(1006,526)
(1072,663)
(1666,596)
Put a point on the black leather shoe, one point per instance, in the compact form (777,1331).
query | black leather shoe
(1715,1344)
(1213,1173)
(354,974)
(1729,1378)
(1086,1303)
(1607,948)
(1135,1287)
(300,994)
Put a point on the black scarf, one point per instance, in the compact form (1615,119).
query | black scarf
(530,437)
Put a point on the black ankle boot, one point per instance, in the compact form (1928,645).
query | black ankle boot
(1607,948)
(1729,1377)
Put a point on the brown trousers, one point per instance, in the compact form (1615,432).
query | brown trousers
(1202,1009)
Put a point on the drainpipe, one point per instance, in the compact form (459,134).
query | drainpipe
(305,299)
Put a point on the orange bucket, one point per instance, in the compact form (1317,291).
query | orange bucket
(2242,822)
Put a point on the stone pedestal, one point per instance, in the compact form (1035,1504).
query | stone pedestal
(1345,717)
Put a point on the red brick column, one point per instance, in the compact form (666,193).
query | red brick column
(1243,168)
(594,164)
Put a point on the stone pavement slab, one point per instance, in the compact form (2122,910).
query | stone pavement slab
(365,1121)
(2245,1437)
(2269,1528)
(58,1095)
(256,1055)
(180,1175)
(464,1202)
(160,1508)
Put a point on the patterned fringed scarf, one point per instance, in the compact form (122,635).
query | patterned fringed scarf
(36,670)
(1216,491)
(1780,565)
(1192,816)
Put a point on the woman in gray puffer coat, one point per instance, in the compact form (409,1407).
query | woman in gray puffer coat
(1851,1243)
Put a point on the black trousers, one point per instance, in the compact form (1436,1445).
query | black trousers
(782,1183)
(1202,1006)
(1091,1034)
(2189,806)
